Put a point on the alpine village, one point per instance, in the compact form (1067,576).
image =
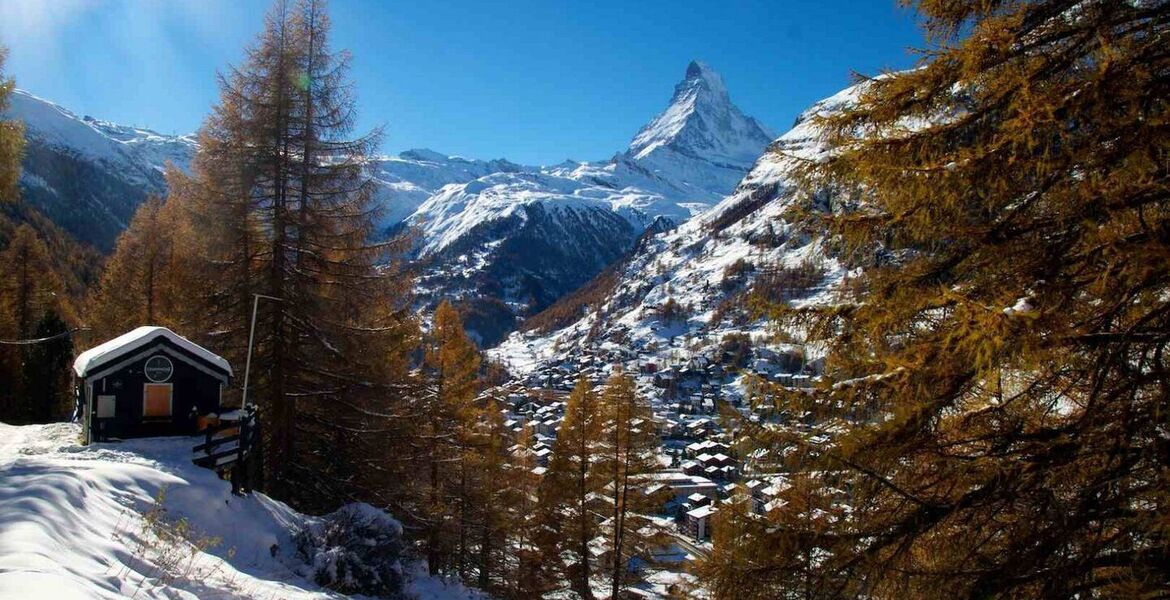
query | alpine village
(914,346)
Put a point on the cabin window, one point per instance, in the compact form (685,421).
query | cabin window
(156,400)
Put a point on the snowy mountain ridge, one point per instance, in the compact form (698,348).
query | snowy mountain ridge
(707,267)
(88,175)
(488,240)
(407,180)
(679,164)
(135,149)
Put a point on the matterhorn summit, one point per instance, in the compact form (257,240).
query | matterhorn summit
(701,140)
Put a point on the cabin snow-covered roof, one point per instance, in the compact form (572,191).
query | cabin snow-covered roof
(137,338)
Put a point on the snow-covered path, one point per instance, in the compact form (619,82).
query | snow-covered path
(14,439)
(74,523)
(11,439)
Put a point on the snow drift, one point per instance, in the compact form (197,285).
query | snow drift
(137,519)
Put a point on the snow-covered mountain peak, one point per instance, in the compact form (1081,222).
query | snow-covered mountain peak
(97,139)
(701,122)
(700,73)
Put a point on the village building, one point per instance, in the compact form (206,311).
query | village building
(698,522)
(696,500)
(683,485)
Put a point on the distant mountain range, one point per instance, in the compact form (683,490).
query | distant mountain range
(504,240)
(512,242)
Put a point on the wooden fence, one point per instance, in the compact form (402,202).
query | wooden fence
(230,446)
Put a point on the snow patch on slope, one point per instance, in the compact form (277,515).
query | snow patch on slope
(406,181)
(71,524)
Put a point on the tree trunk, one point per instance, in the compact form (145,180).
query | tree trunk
(583,521)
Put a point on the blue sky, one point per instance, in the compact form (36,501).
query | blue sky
(533,81)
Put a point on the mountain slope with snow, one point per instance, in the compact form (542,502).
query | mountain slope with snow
(682,162)
(406,181)
(87,175)
(482,238)
(705,269)
(85,522)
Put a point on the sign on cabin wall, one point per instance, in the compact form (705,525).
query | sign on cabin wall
(158,368)
(105,406)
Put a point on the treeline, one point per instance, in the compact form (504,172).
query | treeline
(993,418)
(43,277)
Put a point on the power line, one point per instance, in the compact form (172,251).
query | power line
(44,339)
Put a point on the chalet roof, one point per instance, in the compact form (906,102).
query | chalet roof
(128,342)
(701,512)
(654,487)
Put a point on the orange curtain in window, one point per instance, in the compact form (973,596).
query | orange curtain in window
(158,400)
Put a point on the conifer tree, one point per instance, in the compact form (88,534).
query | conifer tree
(995,390)
(135,287)
(11,148)
(31,298)
(486,467)
(444,443)
(47,376)
(278,204)
(501,497)
(572,486)
(630,455)
(527,574)
(11,139)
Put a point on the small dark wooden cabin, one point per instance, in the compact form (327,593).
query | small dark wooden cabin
(148,382)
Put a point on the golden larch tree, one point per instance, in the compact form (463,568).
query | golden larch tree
(571,489)
(995,391)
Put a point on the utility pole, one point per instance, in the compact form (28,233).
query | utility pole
(251,337)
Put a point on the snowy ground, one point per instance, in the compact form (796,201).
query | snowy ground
(74,523)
